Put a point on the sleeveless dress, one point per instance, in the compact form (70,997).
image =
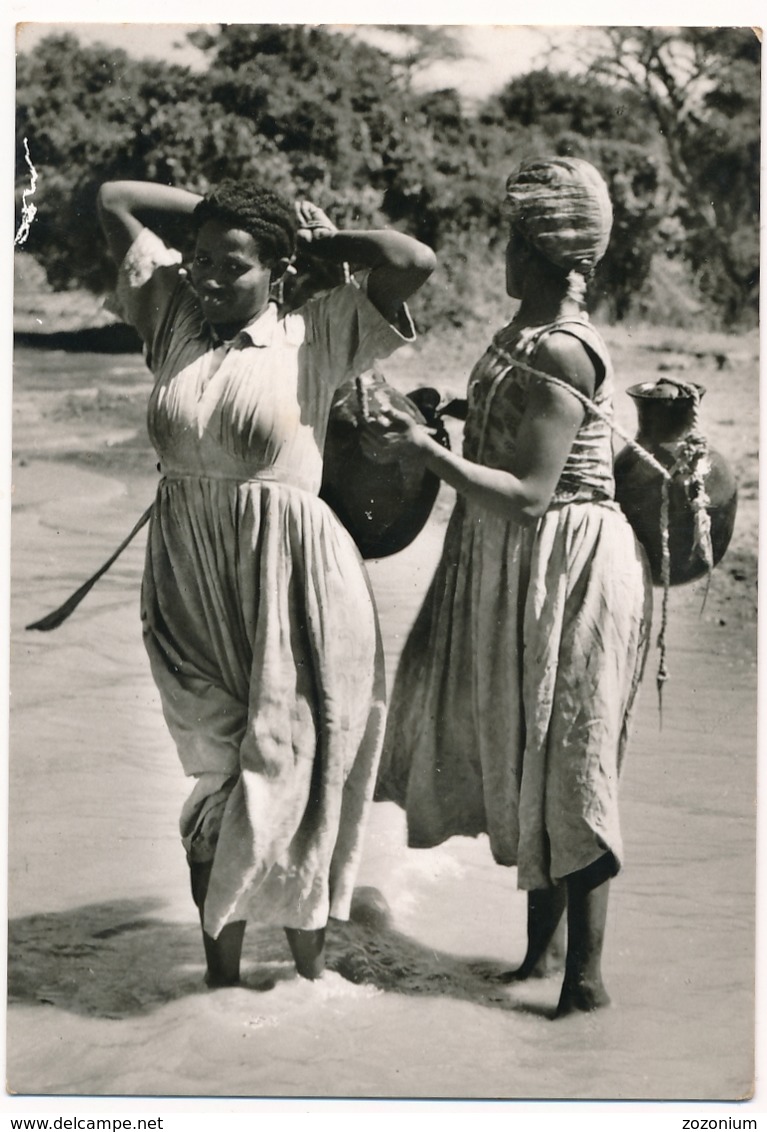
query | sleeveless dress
(256,608)
(511,705)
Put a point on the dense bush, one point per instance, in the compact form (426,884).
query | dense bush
(324,115)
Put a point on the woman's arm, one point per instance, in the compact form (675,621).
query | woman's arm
(546,434)
(125,207)
(398,264)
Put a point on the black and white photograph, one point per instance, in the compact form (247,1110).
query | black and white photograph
(383,516)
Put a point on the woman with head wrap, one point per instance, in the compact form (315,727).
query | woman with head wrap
(511,704)
(256,609)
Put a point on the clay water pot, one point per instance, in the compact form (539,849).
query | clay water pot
(666,418)
(382,505)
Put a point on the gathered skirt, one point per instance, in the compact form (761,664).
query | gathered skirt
(512,702)
(264,645)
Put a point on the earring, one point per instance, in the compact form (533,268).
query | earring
(277,286)
(277,291)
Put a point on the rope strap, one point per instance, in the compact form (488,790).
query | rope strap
(692,462)
(590,405)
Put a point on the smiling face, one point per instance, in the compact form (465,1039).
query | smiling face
(230,279)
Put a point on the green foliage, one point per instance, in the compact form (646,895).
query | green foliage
(566,104)
(673,124)
(91,114)
(701,87)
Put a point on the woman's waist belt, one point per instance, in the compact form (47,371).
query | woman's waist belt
(266,475)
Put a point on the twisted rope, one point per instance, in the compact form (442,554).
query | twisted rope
(642,452)
(662,674)
(692,462)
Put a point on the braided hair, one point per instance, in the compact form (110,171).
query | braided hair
(263,214)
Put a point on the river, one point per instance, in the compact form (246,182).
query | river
(104,962)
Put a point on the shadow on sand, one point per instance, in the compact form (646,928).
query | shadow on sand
(116,960)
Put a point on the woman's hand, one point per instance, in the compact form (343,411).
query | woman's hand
(313,224)
(398,264)
(395,437)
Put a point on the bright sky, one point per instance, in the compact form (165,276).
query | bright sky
(495,51)
(493,54)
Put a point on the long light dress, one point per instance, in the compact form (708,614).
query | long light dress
(511,705)
(256,608)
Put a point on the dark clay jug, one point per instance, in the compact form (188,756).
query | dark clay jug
(382,505)
(667,420)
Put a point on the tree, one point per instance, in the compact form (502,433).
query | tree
(89,114)
(561,103)
(310,112)
(671,119)
(702,88)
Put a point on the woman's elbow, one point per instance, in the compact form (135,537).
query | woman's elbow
(110,201)
(535,504)
(115,197)
(402,276)
(424,259)
(411,257)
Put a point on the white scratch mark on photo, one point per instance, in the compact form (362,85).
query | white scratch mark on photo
(28,208)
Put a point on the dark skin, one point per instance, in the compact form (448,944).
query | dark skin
(398,264)
(549,426)
(234,283)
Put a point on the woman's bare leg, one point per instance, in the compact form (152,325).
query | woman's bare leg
(223,953)
(587,896)
(545,935)
(308,950)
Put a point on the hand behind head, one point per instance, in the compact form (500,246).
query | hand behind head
(313,223)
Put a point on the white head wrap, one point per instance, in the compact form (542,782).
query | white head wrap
(562,206)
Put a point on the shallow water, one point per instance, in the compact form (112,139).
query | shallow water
(105,964)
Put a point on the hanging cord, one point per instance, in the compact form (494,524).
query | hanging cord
(690,456)
(693,463)
(661,676)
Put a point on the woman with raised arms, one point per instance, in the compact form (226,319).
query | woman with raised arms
(256,609)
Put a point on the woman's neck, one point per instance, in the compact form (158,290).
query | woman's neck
(228,330)
(537,309)
(545,297)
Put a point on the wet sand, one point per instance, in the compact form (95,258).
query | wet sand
(105,970)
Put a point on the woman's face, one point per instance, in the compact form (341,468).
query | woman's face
(229,277)
(516,263)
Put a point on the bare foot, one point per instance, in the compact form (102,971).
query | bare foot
(217,983)
(582,998)
(222,955)
(551,962)
(308,950)
(546,936)
(541,970)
